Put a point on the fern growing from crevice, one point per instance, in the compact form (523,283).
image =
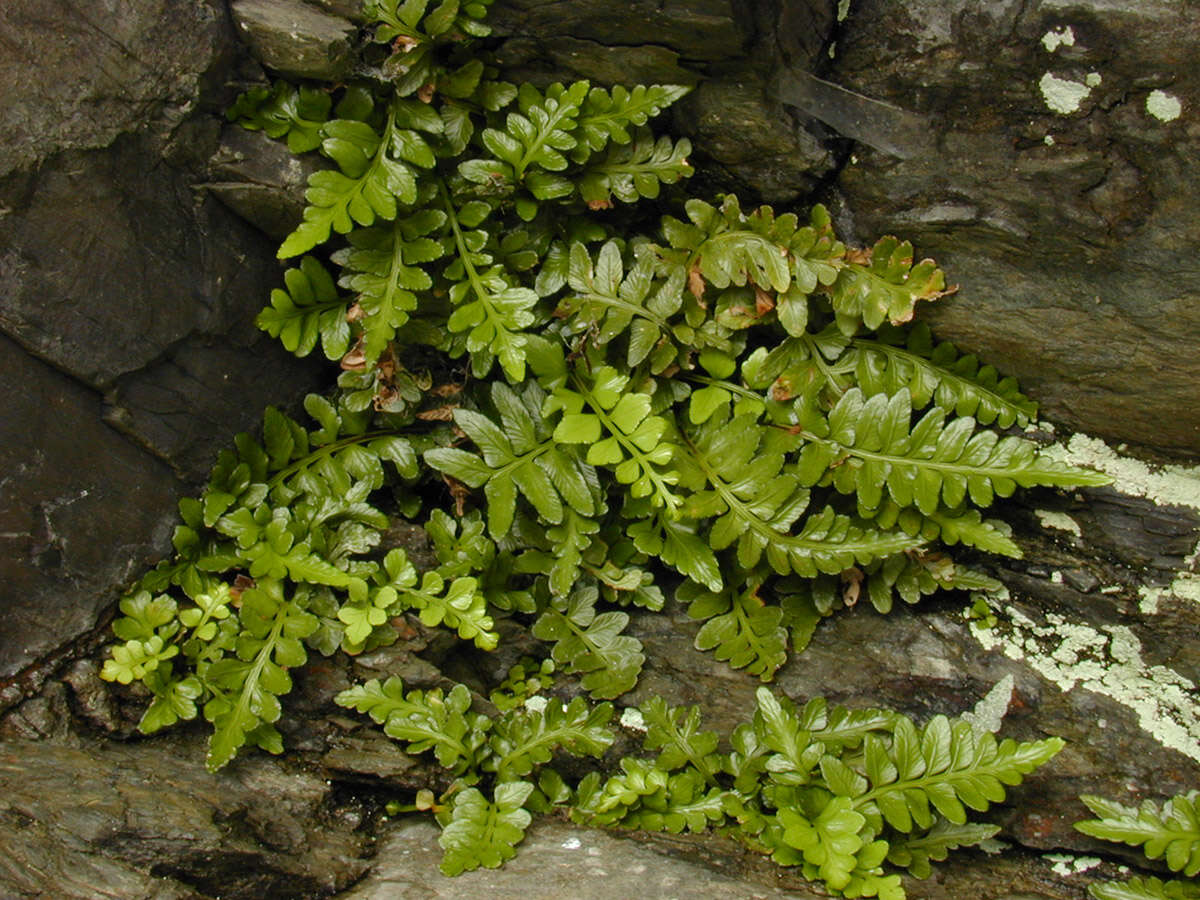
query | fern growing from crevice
(585,414)
(1169,832)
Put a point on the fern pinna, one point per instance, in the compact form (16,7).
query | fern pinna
(1169,832)
(722,404)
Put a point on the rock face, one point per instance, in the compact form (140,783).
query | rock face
(126,301)
(1060,193)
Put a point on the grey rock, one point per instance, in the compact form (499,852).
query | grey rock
(1068,227)
(554,861)
(184,406)
(147,821)
(261,180)
(736,130)
(707,30)
(126,299)
(294,38)
(81,509)
(77,77)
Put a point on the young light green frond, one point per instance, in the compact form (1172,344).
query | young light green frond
(620,433)
(525,738)
(482,833)
(1170,832)
(739,627)
(830,841)
(676,734)
(611,801)
(246,688)
(309,311)
(426,720)
(375,173)
(685,803)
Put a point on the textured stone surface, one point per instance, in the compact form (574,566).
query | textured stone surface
(143,821)
(81,509)
(1069,229)
(555,861)
(77,75)
(294,38)
(261,180)
(127,299)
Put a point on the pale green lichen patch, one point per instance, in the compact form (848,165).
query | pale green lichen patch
(1106,660)
(1064,95)
(1058,37)
(843,10)
(632,719)
(1163,106)
(1059,521)
(991,710)
(1066,865)
(1186,586)
(1176,485)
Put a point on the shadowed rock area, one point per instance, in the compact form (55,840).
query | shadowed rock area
(1041,151)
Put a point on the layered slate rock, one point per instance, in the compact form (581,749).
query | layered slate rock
(1059,191)
(145,821)
(127,296)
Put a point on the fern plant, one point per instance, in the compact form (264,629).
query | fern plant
(587,407)
(1170,832)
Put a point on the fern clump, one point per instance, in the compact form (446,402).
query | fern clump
(1170,832)
(588,407)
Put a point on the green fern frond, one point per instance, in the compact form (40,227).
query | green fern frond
(518,458)
(383,266)
(527,738)
(606,115)
(310,310)
(867,446)
(246,687)
(483,833)
(591,643)
(885,287)
(635,169)
(1170,832)
(676,734)
(375,174)
(426,720)
(739,627)
(284,110)
(916,852)
(943,767)
(935,372)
